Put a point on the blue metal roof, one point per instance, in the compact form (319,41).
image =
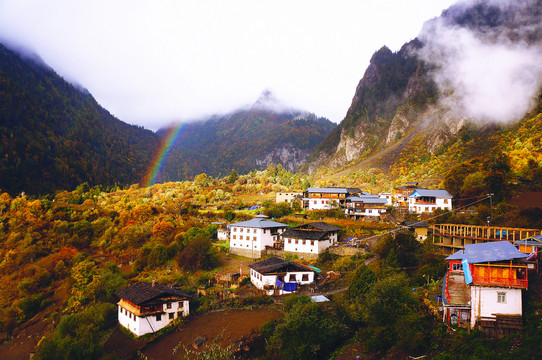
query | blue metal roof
(443,194)
(488,252)
(328,190)
(261,223)
(367,199)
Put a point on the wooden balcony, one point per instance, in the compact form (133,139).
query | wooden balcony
(502,282)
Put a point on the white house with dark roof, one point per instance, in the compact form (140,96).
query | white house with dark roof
(422,201)
(146,308)
(309,240)
(276,276)
(327,198)
(365,205)
(249,238)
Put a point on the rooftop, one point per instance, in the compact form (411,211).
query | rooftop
(431,193)
(274,265)
(141,293)
(488,252)
(259,222)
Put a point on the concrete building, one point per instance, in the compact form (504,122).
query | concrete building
(422,201)
(309,240)
(249,238)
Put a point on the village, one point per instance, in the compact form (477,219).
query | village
(487,272)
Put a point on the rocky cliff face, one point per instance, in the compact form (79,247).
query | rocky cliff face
(440,82)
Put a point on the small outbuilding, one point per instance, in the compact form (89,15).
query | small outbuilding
(276,276)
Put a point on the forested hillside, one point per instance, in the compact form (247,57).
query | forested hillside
(55,136)
(245,140)
(424,109)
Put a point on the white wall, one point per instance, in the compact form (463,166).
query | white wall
(321,204)
(424,208)
(484,302)
(257,237)
(386,196)
(222,234)
(260,280)
(141,325)
(315,247)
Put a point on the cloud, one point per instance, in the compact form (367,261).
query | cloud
(486,58)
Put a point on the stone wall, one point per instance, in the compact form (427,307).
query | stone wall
(246,252)
(347,250)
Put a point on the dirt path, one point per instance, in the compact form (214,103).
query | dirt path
(229,325)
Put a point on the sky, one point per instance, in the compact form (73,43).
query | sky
(152,63)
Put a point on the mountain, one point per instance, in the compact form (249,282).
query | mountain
(244,140)
(466,83)
(54,135)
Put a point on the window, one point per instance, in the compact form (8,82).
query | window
(292,278)
(445,201)
(501,297)
(305,277)
(171,316)
(168,306)
(457,267)
(234,237)
(180,304)
(254,231)
(179,314)
(234,229)
(159,317)
(254,238)
(241,229)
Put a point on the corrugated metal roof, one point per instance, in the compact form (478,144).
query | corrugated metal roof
(140,293)
(368,199)
(488,252)
(274,265)
(260,223)
(328,190)
(431,193)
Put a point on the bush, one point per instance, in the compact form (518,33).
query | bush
(79,336)
(198,254)
(307,332)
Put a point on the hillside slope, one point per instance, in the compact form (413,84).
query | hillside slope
(55,136)
(245,140)
(412,105)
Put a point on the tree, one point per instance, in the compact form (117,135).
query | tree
(233,176)
(389,300)
(498,169)
(308,332)
(197,254)
(361,284)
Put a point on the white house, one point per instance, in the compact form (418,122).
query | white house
(287,197)
(483,287)
(249,238)
(365,206)
(387,196)
(309,240)
(422,201)
(277,277)
(327,198)
(222,232)
(146,308)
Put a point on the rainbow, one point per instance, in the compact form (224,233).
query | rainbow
(161,156)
